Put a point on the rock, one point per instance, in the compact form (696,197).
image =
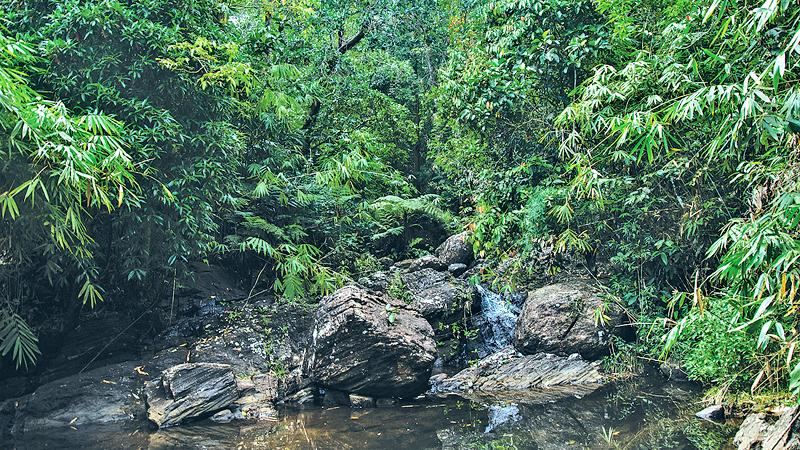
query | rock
(455,250)
(784,434)
(436,380)
(13,387)
(457,269)
(510,376)
(257,396)
(360,401)
(426,262)
(437,295)
(189,391)
(713,413)
(333,397)
(403,264)
(560,319)
(100,396)
(302,398)
(224,416)
(758,431)
(376,281)
(450,352)
(751,432)
(372,345)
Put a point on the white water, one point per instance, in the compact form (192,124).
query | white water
(496,322)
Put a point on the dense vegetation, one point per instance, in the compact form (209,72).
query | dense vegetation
(657,142)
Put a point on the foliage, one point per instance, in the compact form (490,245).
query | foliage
(250,134)
(671,122)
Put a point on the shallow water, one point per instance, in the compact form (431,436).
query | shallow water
(639,414)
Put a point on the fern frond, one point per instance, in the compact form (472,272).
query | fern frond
(17,338)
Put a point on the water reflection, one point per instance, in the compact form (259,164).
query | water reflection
(631,415)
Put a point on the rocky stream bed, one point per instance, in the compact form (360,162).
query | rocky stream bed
(386,362)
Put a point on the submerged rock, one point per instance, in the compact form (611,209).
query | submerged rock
(455,250)
(508,375)
(560,319)
(372,345)
(189,391)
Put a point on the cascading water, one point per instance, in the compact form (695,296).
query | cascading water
(496,321)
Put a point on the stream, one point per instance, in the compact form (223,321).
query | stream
(643,413)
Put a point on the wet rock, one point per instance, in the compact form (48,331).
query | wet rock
(333,397)
(713,413)
(560,319)
(370,344)
(360,401)
(104,395)
(437,295)
(189,391)
(508,375)
(426,262)
(457,269)
(455,250)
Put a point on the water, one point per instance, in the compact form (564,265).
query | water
(646,413)
(496,321)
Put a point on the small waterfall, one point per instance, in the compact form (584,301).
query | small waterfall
(496,321)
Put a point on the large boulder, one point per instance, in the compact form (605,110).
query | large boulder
(510,376)
(455,250)
(370,344)
(188,391)
(100,396)
(560,319)
(438,295)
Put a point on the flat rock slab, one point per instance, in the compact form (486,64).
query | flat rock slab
(508,375)
(189,391)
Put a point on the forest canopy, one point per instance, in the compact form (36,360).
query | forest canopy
(300,142)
